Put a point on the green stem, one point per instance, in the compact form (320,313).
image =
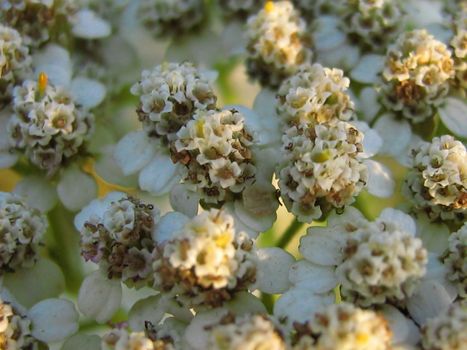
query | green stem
(289,234)
(268,302)
(64,247)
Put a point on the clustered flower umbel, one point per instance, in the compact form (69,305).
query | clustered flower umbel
(315,94)
(206,262)
(169,96)
(36,19)
(15,61)
(314,9)
(437,180)
(15,330)
(448,331)
(215,148)
(373,24)
(22,229)
(240,8)
(459,49)
(278,43)
(344,327)
(47,124)
(455,258)
(122,339)
(322,168)
(249,332)
(417,75)
(121,241)
(168,17)
(381,263)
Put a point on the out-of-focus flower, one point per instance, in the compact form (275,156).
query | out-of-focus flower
(278,43)
(343,326)
(314,9)
(15,61)
(121,339)
(447,331)
(437,180)
(240,8)
(455,258)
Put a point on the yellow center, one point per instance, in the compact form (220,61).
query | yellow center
(269,6)
(362,338)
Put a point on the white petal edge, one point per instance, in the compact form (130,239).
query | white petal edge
(183,200)
(148,309)
(398,219)
(321,248)
(87,92)
(380,181)
(396,134)
(168,226)
(368,69)
(454,115)
(75,189)
(37,192)
(55,61)
(81,341)
(368,103)
(159,175)
(88,25)
(133,152)
(315,278)
(272,270)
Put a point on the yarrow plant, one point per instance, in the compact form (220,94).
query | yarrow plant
(251,174)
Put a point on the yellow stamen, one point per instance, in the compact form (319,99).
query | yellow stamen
(322,156)
(269,6)
(362,338)
(337,294)
(42,83)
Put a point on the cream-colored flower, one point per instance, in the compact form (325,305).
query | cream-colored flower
(15,330)
(455,258)
(121,339)
(278,43)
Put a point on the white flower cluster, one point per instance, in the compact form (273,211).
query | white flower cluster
(15,330)
(437,180)
(381,263)
(47,124)
(459,48)
(240,8)
(121,339)
(315,94)
(169,96)
(417,74)
(168,17)
(206,262)
(215,148)
(35,19)
(322,168)
(455,258)
(15,61)
(278,43)
(314,9)
(373,24)
(447,331)
(344,327)
(247,332)
(22,229)
(120,240)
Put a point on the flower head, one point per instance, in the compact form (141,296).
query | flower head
(240,8)
(170,94)
(245,332)
(278,43)
(215,148)
(455,258)
(417,74)
(316,8)
(21,232)
(122,339)
(167,17)
(206,262)
(437,181)
(315,94)
(322,168)
(47,124)
(459,48)
(15,61)
(344,327)
(119,240)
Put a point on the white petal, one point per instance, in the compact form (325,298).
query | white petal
(87,92)
(299,305)
(398,323)
(321,248)
(265,104)
(196,335)
(245,303)
(424,12)
(327,35)
(398,219)
(37,192)
(257,223)
(75,189)
(396,134)
(88,25)
(350,215)
(380,181)
(184,201)
(372,142)
(159,175)
(273,270)
(96,208)
(134,152)
(345,56)
(454,115)
(368,69)
(368,103)
(99,298)
(53,320)
(81,341)
(315,278)
(46,277)
(107,168)
(148,309)
(232,37)
(434,235)
(168,225)
(7,159)
(404,158)
(430,300)
(55,61)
